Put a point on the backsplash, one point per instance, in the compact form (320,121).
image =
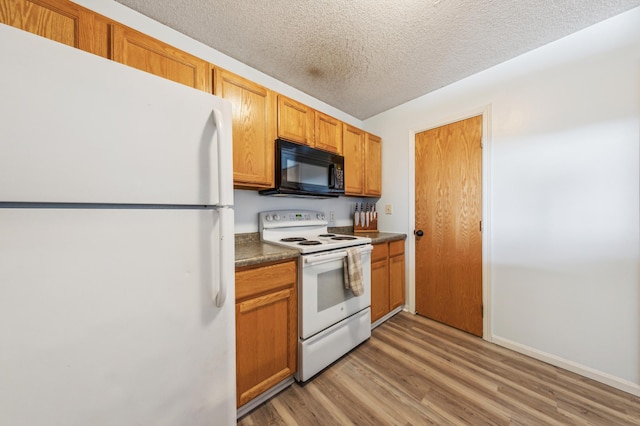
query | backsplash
(249,203)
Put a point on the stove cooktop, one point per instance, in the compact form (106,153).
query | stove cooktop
(303,230)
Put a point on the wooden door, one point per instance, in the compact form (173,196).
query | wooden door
(448,210)
(138,50)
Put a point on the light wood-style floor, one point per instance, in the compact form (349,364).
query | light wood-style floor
(414,371)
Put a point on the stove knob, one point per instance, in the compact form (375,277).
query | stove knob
(268,218)
(276,217)
(320,216)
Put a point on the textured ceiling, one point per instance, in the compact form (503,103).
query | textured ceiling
(366,56)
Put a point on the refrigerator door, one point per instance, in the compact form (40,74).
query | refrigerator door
(78,128)
(106,317)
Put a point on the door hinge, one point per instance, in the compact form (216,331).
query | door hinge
(480,226)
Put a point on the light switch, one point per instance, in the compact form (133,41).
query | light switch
(388,209)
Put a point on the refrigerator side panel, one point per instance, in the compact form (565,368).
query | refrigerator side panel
(90,130)
(107,317)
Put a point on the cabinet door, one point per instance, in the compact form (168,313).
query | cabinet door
(396,281)
(328,133)
(379,281)
(253,123)
(58,20)
(145,53)
(266,328)
(379,289)
(373,166)
(295,121)
(353,143)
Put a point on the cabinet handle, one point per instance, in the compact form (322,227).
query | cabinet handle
(268,299)
(327,257)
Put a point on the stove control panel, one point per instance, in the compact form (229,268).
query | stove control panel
(283,218)
(291,216)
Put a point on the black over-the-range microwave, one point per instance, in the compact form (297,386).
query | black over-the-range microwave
(306,172)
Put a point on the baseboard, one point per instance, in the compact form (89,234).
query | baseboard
(264,397)
(599,376)
(386,317)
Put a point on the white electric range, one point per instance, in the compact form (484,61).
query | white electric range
(331,319)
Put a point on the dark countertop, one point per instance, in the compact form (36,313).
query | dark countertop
(251,251)
(383,237)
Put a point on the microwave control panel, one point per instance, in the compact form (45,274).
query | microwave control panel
(339,174)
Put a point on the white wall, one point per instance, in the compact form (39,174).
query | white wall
(561,194)
(250,203)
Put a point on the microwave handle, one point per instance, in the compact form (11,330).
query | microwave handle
(332,176)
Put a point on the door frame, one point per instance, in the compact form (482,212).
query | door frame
(485,111)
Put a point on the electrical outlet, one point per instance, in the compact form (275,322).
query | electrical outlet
(332,217)
(388,209)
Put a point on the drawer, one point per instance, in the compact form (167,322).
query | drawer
(380,252)
(261,279)
(396,248)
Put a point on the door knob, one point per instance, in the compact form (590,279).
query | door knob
(418,233)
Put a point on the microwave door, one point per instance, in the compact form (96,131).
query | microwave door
(306,174)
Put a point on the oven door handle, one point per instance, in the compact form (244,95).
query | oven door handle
(328,257)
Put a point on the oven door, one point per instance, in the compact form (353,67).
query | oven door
(324,300)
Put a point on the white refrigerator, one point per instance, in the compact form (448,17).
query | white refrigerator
(116,243)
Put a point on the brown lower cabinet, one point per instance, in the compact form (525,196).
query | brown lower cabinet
(387,278)
(266,327)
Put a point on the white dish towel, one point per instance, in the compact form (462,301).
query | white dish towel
(353,271)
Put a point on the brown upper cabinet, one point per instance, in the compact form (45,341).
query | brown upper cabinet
(302,124)
(254,129)
(295,121)
(138,50)
(353,142)
(59,20)
(328,133)
(372,166)
(362,162)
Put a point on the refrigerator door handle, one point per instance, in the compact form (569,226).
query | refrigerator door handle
(217,120)
(226,256)
(225,160)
